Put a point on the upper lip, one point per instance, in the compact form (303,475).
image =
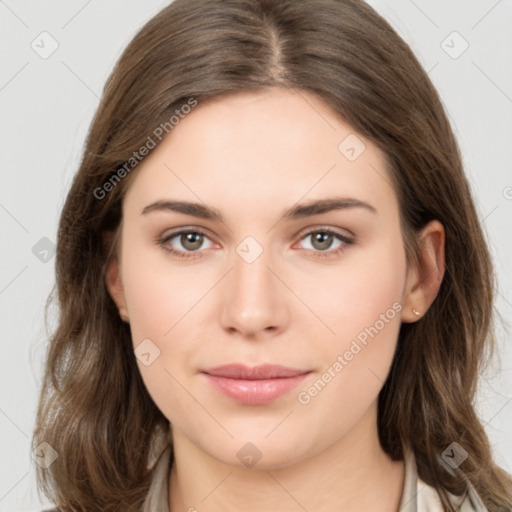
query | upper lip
(264,371)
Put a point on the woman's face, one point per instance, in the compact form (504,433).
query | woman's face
(269,279)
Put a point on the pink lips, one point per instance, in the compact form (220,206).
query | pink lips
(254,385)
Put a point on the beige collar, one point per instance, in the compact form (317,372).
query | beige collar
(417,496)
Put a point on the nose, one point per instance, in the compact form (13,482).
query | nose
(253,299)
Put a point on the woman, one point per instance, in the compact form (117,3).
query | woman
(274,290)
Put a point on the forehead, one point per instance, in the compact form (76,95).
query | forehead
(264,148)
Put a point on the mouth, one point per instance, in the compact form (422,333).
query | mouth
(254,385)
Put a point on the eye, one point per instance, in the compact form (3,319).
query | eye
(184,242)
(322,242)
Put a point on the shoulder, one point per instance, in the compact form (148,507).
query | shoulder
(418,496)
(429,500)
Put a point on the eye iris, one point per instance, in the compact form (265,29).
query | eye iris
(191,241)
(322,241)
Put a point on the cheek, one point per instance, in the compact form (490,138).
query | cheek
(356,362)
(336,400)
(157,320)
(164,308)
(353,295)
(159,295)
(363,308)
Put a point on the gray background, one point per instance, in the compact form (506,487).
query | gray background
(47,105)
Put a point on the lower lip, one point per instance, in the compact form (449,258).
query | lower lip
(254,392)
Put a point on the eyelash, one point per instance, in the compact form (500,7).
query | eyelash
(191,255)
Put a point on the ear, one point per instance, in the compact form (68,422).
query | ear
(115,286)
(425,275)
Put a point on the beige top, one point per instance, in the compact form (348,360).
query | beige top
(417,496)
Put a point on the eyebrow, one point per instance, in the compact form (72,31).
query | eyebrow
(296,212)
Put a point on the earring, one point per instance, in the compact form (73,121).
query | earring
(123,313)
(417,313)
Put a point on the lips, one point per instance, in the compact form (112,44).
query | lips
(254,385)
(264,371)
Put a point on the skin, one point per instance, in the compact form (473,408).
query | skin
(252,156)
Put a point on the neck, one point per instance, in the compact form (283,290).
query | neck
(352,475)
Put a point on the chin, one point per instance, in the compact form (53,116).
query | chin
(255,451)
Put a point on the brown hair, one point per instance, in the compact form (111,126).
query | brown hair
(94,409)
